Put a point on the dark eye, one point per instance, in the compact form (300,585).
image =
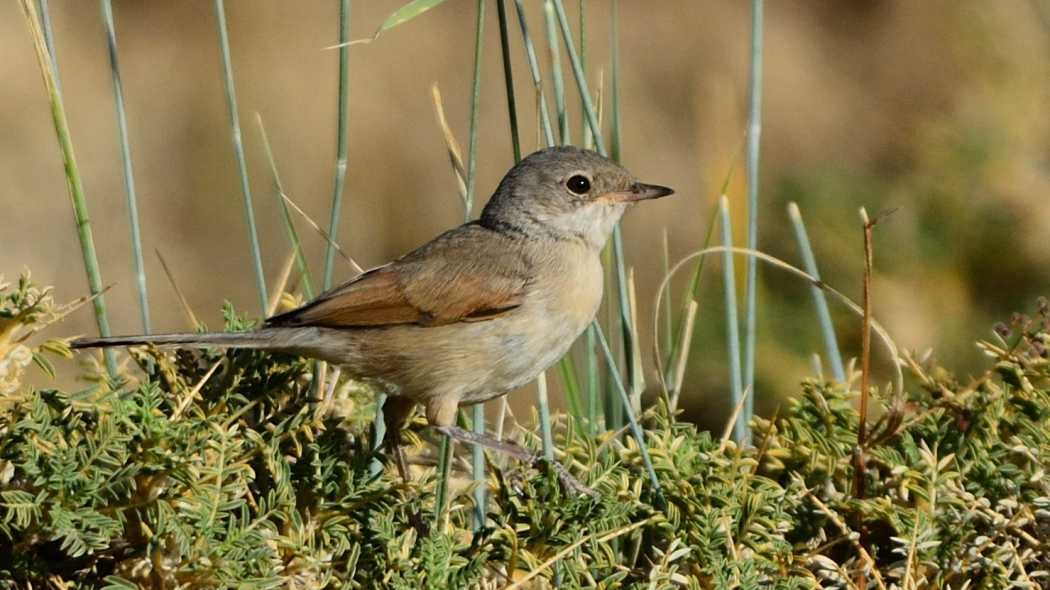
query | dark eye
(579,184)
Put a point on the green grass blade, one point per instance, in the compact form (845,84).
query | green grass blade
(477,465)
(585,130)
(340,144)
(753,132)
(632,360)
(546,434)
(475,112)
(624,309)
(477,453)
(581,79)
(443,468)
(690,295)
(379,431)
(408,12)
(508,80)
(534,70)
(238,150)
(678,369)
(125,159)
(556,77)
(593,392)
(401,15)
(636,429)
(740,427)
(614,91)
(612,411)
(571,385)
(293,236)
(820,301)
(40,26)
(49,41)
(665,298)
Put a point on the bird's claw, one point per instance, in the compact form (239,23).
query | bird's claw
(570,484)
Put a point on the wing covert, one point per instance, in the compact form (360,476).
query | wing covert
(467,274)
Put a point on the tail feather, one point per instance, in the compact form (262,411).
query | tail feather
(250,339)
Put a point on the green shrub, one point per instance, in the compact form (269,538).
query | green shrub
(218,469)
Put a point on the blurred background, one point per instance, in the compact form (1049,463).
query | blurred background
(939,109)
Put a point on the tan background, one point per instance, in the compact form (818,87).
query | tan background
(940,108)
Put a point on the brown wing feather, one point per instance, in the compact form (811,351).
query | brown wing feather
(371,299)
(464,275)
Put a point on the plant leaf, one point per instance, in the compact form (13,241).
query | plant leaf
(405,13)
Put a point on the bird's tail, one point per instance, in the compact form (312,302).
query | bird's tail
(250,339)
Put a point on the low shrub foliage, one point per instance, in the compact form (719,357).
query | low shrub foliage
(227,469)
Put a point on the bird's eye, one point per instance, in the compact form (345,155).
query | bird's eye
(579,184)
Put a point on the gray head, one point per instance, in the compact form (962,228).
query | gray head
(565,193)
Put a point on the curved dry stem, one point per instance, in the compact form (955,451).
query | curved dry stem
(891,346)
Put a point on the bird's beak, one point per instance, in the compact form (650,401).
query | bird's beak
(639,192)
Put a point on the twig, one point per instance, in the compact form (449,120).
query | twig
(559,555)
(732,421)
(178,292)
(864,555)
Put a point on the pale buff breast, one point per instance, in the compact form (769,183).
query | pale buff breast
(554,314)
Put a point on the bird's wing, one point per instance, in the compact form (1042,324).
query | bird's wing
(467,274)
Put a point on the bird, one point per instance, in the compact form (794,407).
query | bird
(478,311)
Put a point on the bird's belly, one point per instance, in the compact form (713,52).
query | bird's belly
(517,355)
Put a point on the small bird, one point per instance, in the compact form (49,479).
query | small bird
(480,310)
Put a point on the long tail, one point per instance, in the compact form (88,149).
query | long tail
(251,339)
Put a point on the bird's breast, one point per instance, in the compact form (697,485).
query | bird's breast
(567,288)
(561,301)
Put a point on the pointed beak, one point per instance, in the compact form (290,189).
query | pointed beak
(639,192)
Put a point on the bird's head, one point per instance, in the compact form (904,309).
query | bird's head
(566,193)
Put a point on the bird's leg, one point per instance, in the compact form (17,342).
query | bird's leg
(568,482)
(395,410)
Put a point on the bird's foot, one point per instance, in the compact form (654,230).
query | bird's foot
(568,482)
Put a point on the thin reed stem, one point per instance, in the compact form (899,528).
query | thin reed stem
(477,466)
(754,130)
(585,131)
(614,92)
(379,433)
(736,388)
(556,76)
(49,41)
(40,27)
(593,391)
(636,428)
(444,465)
(293,235)
(820,301)
(339,180)
(125,160)
(238,150)
(478,411)
(534,70)
(508,80)
(545,422)
(340,143)
(581,79)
